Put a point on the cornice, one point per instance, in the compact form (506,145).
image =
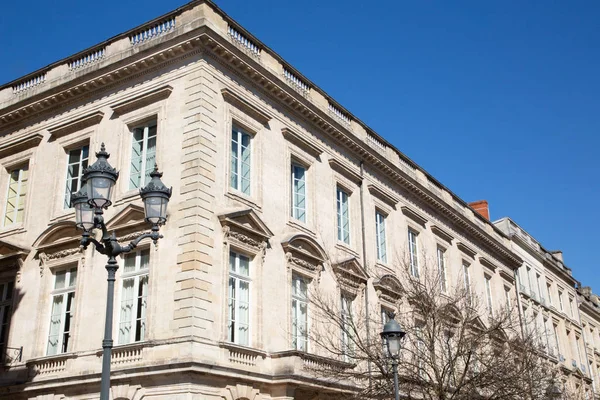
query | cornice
(20,143)
(305,144)
(383,195)
(142,100)
(205,39)
(413,215)
(238,101)
(77,124)
(345,170)
(442,233)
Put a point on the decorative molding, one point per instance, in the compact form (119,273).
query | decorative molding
(507,276)
(350,275)
(441,233)
(466,249)
(18,144)
(142,100)
(383,195)
(245,229)
(131,236)
(127,392)
(47,258)
(76,124)
(345,171)
(241,392)
(236,100)
(488,263)
(413,215)
(304,143)
(388,288)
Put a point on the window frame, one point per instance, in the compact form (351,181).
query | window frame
(346,316)
(7,291)
(293,207)
(488,294)
(68,192)
(239,278)
(240,132)
(441,261)
(467,279)
(146,125)
(18,167)
(65,293)
(340,192)
(381,245)
(413,252)
(137,274)
(299,279)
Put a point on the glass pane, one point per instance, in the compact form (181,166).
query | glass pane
(73,277)
(60,279)
(129,264)
(232,263)
(234,159)
(244,268)
(125,319)
(55,322)
(145,259)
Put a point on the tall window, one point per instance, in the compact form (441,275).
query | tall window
(143,154)
(347,342)
(507,298)
(560,300)
(238,322)
(6,293)
(77,160)
(299,313)
(380,236)
(15,198)
(441,261)
(299,192)
(134,297)
(467,278)
(63,308)
(413,250)
(556,341)
(343,216)
(538,280)
(240,160)
(571,312)
(549,290)
(488,295)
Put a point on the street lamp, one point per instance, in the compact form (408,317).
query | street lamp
(89,203)
(392,336)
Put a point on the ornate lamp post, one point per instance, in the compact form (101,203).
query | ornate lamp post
(89,204)
(392,336)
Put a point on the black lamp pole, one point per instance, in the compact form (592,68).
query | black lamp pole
(89,204)
(392,336)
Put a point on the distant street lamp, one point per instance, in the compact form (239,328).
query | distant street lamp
(392,336)
(89,203)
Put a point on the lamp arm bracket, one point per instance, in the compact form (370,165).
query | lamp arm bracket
(133,244)
(99,246)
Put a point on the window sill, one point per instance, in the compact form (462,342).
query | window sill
(346,248)
(243,349)
(63,215)
(294,223)
(242,198)
(12,230)
(128,197)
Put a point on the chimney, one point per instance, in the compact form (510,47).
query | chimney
(558,254)
(481,207)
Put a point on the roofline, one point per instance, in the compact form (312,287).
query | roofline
(276,56)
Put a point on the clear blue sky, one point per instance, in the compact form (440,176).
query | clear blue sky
(496,99)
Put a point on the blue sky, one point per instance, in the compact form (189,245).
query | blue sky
(497,99)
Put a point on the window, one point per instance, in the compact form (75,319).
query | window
(539,287)
(556,341)
(488,295)
(143,154)
(467,278)
(413,249)
(63,308)
(15,198)
(380,236)
(238,322)
(77,160)
(343,216)
(549,290)
(134,297)
(299,313)
(560,300)
(240,160)
(347,342)
(6,293)
(299,192)
(441,261)
(385,316)
(507,298)
(571,312)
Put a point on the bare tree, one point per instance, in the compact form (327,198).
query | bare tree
(455,346)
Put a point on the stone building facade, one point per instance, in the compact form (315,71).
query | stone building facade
(276,188)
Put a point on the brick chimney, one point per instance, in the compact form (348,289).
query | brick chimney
(482,208)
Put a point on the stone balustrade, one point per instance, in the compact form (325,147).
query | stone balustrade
(29,83)
(295,82)
(153,31)
(87,59)
(339,114)
(243,42)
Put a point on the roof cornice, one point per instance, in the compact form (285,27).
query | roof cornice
(205,39)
